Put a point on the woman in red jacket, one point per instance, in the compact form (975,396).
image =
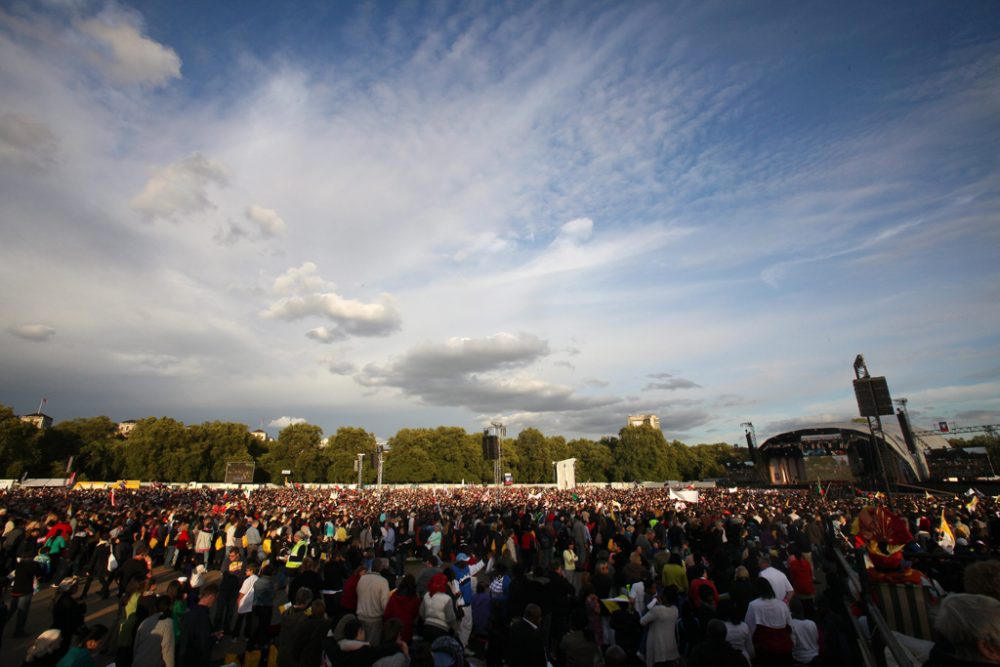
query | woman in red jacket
(800,573)
(404,605)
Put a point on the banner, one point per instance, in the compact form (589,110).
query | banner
(687,495)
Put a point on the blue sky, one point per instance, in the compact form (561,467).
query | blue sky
(552,214)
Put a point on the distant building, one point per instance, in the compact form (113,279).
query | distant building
(261,435)
(38,420)
(644,420)
(125,427)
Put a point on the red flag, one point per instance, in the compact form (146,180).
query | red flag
(112,497)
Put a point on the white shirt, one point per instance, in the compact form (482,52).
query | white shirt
(770,613)
(738,636)
(783,589)
(805,640)
(638,595)
(246,590)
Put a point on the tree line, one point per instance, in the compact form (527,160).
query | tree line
(167,450)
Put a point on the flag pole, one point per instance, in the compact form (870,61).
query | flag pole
(40,404)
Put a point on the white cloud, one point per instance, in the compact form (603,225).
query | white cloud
(324,334)
(38,333)
(282,422)
(575,231)
(25,139)
(180,188)
(268,222)
(128,56)
(301,279)
(351,316)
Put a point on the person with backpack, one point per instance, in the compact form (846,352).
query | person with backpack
(100,566)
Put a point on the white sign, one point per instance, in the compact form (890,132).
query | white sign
(566,474)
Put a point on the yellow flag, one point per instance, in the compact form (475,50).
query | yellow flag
(971,505)
(927,494)
(947,540)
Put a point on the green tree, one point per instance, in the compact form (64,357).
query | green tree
(219,443)
(160,449)
(641,455)
(534,457)
(342,451)
(99,452)
(593,460)
(19,445)
(409,459)
(297,449)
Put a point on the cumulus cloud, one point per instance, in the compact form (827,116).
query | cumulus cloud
(299,279)
(127,55)
(467,372)
(326,335)
(668,382)
(26,140)
(267,221)
(261,224)
(180,188)
(37,333)
(352,317)
(282,422)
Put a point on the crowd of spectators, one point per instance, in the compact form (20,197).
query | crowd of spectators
(522,576)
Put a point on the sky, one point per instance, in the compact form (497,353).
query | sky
(549,214)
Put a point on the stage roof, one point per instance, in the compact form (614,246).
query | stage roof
(893,438)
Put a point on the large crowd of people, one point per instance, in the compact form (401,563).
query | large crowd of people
(518,576)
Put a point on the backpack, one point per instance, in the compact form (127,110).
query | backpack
(448,652)
(44,560)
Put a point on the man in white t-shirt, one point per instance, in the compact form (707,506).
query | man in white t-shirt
(244,602)
(805,635)
(782,587)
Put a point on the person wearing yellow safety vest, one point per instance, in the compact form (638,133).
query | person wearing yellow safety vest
(296,555)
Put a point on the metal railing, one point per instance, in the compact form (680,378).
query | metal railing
(880,635)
